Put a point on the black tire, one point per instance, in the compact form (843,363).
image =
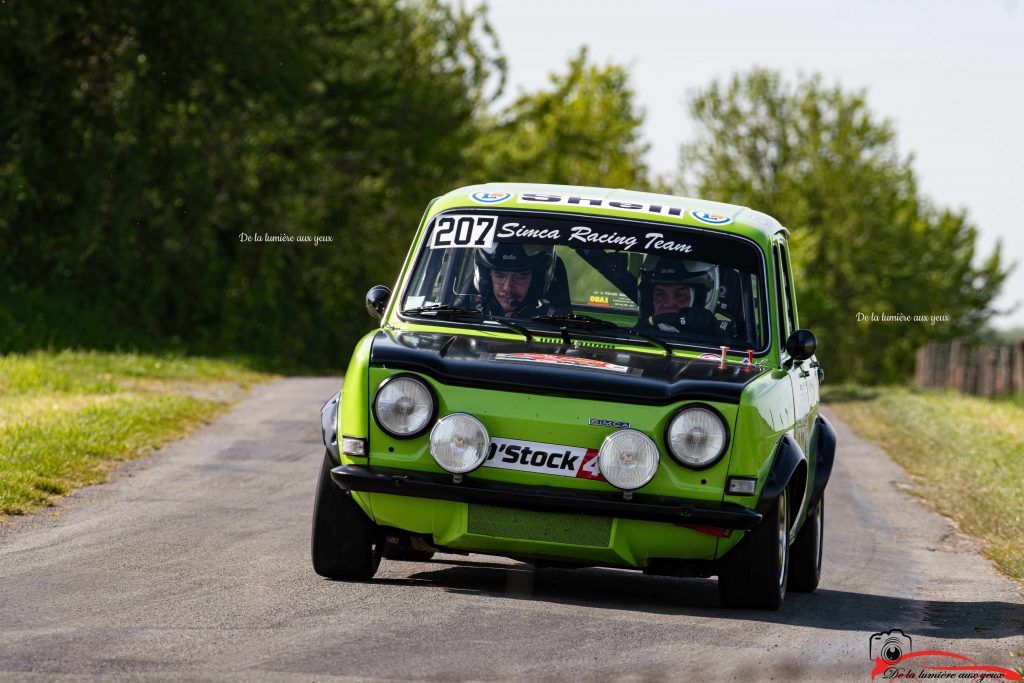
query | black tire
(754,573)
(393,552)
(345,543)
(805,555)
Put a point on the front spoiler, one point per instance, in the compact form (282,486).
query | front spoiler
(545,499)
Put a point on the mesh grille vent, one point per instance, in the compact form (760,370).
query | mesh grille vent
(528,525)
(557,340)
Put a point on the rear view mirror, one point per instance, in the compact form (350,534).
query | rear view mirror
(377,300)
(801,345)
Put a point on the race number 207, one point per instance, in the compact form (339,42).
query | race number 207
(453,230)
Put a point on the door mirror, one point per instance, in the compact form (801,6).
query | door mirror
(377,300)
(801,345)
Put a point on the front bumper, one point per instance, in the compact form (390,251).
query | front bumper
(545,499)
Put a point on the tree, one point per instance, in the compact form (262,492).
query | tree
(137,142)
(584,130)
(864,239)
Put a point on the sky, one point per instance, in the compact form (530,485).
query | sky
(948,74)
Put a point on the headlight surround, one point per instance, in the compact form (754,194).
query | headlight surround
(628,459)
(404,406)
(459,443)
(697,436)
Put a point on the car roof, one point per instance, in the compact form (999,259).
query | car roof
(671,209)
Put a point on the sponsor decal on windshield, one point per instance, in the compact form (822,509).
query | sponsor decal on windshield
(711,218)
(552,359)
(578,200)
(490,197)
(476,231)
(543,458)
(597,237)
(606,298)
(459,231)
(706,217)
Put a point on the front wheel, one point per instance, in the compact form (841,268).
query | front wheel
(805,567)
(345,544)
(755,572)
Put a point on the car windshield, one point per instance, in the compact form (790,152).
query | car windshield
(592,276)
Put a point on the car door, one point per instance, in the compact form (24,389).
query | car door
(803,380)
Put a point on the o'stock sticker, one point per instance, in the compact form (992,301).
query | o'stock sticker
(489,197)
(710,218)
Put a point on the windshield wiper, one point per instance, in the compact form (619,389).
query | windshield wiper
(507,324)
(441,309)
(584,321)
(453,312)
(591,323)
(648,338)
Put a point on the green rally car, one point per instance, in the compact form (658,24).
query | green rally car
(578,376)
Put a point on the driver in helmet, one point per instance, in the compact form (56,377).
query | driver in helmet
(512,279)
(678,295)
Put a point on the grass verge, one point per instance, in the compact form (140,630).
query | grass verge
(965,455)
(67,418)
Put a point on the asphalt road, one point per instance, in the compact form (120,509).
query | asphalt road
(193,564)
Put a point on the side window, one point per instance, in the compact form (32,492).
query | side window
(790,290)
(752,310)
(782,297)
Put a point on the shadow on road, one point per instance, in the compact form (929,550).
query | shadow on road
(635,592)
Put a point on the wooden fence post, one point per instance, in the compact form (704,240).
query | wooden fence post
(987,361)
(980,370)
(920,363)
(957,358)
(1018,369)
(1002,370)
(970,385)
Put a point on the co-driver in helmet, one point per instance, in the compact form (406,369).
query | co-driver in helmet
(678,295)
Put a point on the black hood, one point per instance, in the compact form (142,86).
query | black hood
(578,372)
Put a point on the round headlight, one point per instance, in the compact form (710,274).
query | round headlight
(628,459)
(697,437)
(458,443)
(403,406)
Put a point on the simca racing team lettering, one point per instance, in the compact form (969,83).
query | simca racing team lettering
(593,236)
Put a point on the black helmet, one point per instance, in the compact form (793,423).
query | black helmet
(515,258)
(663,270)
